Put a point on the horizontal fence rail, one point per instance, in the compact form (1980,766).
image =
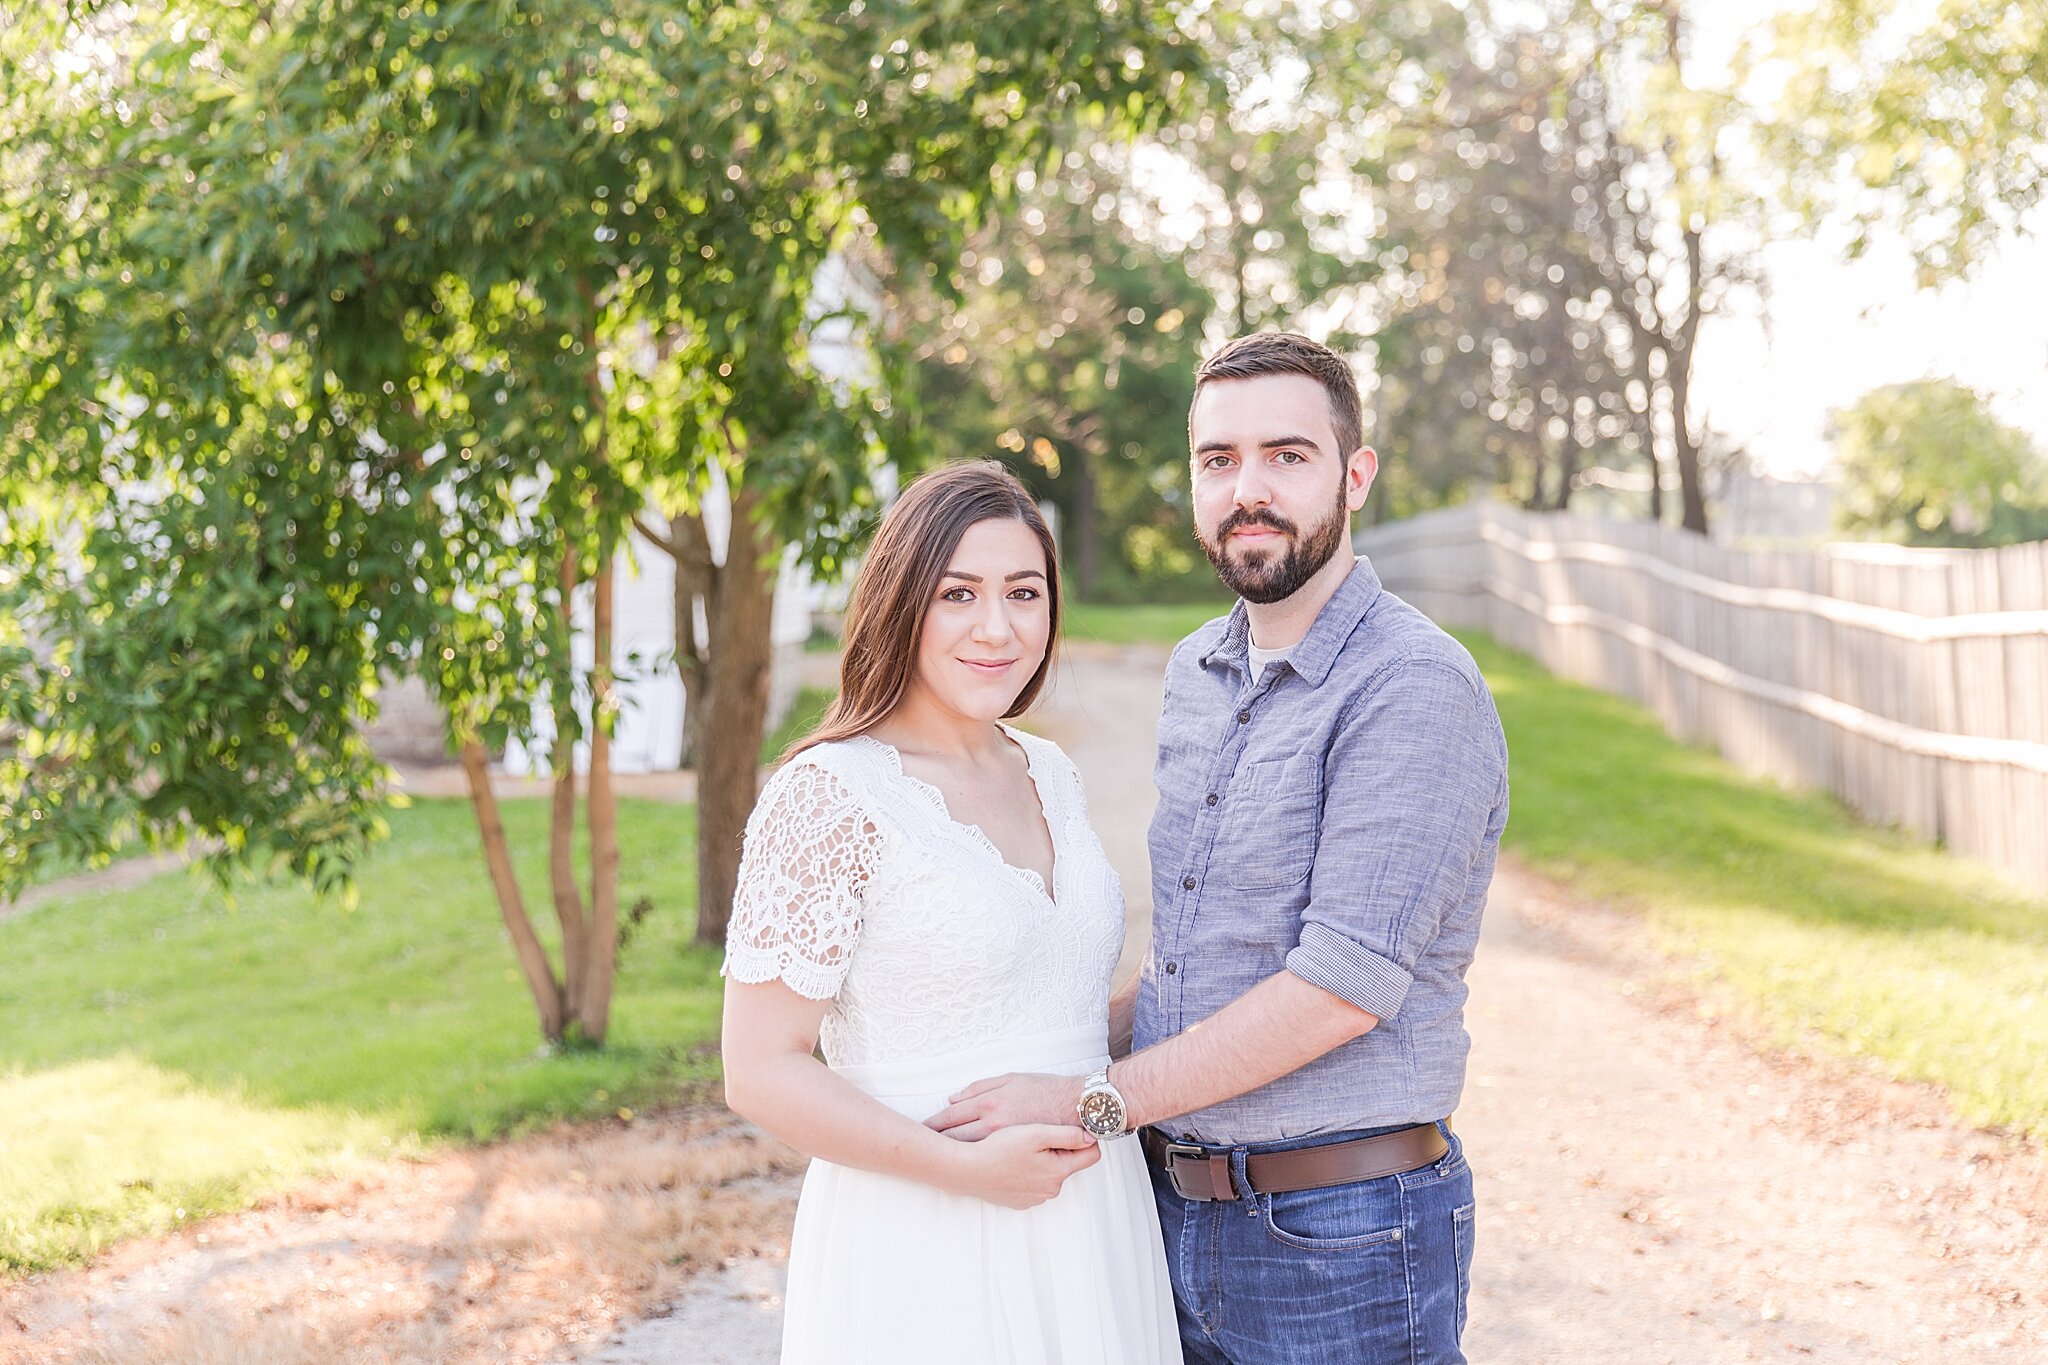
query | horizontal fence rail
(1911,683)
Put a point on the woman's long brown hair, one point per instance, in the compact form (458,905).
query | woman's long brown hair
(911,550)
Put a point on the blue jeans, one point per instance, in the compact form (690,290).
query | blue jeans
(1372,1273)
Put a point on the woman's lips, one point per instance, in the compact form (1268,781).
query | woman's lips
(991,667)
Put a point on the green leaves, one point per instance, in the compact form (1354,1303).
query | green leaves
(1934,123)
(1927,463)
(335,330)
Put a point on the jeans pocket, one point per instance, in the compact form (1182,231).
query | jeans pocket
(1450,1166)
(1341,1218)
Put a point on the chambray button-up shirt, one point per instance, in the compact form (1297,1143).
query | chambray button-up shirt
(1336,817)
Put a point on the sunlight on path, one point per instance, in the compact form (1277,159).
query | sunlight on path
(1652,1189)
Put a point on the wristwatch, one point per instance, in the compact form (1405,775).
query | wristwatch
(1102,1107)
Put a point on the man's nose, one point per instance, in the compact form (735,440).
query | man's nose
(1253,490)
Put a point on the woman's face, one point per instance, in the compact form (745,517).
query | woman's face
(986,627)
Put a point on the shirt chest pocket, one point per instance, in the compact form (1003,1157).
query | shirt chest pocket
(1268,840)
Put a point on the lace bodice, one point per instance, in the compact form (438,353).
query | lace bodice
(857,886)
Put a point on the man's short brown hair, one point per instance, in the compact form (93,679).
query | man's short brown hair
(1288,353)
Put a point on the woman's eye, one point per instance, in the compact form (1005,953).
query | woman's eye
(957,595)
(1026,594)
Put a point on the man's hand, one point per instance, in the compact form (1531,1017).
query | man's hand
(1005,1101)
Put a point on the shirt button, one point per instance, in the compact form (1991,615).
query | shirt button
(1187,883)
(1212,798)
(1244,717)
(1172,967)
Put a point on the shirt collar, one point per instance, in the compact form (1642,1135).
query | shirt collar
(1317,652)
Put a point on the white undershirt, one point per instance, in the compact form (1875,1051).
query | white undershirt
(1261,657)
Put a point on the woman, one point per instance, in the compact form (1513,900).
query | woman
(921,891)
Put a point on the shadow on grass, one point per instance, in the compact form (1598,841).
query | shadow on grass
(404,1018)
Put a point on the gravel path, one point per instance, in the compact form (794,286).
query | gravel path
(1653,1187)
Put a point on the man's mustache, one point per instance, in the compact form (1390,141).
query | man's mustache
(1246,516)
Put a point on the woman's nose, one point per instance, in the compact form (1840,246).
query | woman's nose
(993,624)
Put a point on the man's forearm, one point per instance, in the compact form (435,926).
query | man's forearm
(1278,1026)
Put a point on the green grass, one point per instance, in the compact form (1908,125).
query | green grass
(1860,939)
(1164,624)
(163,1054)
(803,716)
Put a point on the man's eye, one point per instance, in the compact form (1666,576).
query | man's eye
(1290,457)
(1216,462)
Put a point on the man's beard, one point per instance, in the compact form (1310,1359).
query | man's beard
(1264,576)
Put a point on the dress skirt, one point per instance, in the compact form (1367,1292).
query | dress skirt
(884,1270)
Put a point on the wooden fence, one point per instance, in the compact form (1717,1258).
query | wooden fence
(1912,683)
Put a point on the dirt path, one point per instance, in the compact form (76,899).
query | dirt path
(118,877)
(508,1253)
(1653,1189)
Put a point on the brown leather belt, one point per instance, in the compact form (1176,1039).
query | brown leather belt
(1203,1173)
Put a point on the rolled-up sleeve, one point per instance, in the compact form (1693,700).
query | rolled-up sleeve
(1414,784)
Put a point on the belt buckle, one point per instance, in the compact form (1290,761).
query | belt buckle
(1194,1153)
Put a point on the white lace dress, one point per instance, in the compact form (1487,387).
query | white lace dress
(945,964)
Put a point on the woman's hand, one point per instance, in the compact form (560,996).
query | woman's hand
(1019,1167)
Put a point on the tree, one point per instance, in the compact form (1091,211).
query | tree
(1933,120)
(351,338)
(1560,228)
(1927,463)
(1262,185)
(1064,348)
(1502,353)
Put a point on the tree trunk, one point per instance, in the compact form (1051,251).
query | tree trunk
(1692,502)
(741,651)
(1567,466)
(696,577)
(594,1002)
(568,900)
(1678,370)
(1087,562)
(533,958)
(1534,502)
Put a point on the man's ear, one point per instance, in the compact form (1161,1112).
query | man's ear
(1359,472)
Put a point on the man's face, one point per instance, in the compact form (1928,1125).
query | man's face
(1273,494)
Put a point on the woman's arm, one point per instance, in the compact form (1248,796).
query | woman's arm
(773,1078)
(1123,1015)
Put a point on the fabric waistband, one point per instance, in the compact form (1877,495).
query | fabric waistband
(1063,1051)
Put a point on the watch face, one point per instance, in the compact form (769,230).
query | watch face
(1102,1112)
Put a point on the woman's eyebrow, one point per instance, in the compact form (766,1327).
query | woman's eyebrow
(976,578)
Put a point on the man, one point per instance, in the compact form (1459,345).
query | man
(1333,785)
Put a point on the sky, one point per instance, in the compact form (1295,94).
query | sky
(1838,329)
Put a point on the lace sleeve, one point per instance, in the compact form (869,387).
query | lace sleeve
(796,912)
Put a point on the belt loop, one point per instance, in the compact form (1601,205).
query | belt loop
(1242,1182)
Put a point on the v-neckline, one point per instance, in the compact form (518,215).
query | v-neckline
(1047,891)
